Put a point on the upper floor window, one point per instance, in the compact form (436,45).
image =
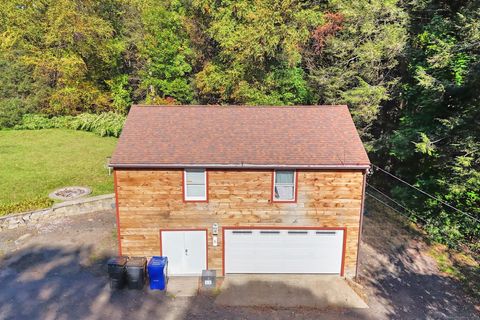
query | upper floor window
(284,185)
(195,185)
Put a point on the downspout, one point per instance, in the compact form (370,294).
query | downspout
(360,227)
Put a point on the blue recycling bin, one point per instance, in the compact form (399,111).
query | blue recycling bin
(157,272)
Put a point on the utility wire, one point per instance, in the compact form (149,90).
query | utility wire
(391,199)
(412,213)
(401,213)
(427,194)
(384,203)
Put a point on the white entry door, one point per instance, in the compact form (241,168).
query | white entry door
(283,251)
(186,251)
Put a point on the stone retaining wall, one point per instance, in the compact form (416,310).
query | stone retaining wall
(59,210)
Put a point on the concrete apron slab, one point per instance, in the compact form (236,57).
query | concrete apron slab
(183,286)
(288,291)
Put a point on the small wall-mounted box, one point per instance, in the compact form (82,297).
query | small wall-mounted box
(209,279)
(215,229)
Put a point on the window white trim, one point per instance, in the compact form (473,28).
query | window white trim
(186,197)
(294,185)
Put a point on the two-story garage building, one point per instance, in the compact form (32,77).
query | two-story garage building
(241,189)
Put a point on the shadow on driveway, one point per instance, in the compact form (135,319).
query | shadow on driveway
(403,278)
(61,283)
(53,282)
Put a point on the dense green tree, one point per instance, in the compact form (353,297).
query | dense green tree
(166,51)
(68,48)
(16,77)
(436,143)
(354,55)
(254,50)
(71,56)
(16,84)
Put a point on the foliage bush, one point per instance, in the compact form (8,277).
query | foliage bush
(121,93)
(26,205)
(11,112)
(105,124)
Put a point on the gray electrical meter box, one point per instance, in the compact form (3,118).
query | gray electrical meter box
(209,279)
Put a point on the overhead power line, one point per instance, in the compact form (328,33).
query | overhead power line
(411,212)
(427,194)
(409,217)
(396,210)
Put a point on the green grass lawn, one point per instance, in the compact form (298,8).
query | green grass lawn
(34,163)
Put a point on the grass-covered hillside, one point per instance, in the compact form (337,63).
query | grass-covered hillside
(34,163)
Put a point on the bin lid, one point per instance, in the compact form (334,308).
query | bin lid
(158,261)
(137,262)
(119,261)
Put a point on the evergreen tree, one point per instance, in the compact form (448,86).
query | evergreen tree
(354,55)
(436,143)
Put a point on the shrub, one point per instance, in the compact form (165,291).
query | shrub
(11,112)
(35,122)
(121,93)
(104,124)
(26,205)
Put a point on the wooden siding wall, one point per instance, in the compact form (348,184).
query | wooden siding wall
(149,200)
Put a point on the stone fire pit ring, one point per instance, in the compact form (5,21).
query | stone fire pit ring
(69,193)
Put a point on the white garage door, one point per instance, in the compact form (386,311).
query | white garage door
(283,251)
(186,251)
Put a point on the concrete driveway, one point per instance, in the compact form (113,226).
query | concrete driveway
(288,291)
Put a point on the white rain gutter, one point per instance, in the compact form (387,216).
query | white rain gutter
(236,166)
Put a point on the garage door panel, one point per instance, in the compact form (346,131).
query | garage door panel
(283,251)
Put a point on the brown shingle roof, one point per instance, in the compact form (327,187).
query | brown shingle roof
(234,136)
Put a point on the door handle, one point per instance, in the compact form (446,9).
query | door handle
(186,252)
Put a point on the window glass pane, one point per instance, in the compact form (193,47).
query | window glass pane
(284,192)
(196,177)
(197,191)
(284,177)
(195,188)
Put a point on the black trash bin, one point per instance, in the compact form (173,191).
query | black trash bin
(116,272)
(136,272)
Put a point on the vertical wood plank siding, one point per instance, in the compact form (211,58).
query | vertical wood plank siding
(149,200)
